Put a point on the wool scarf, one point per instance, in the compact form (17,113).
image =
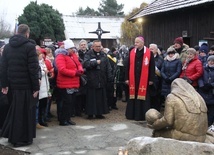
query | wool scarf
(144,75)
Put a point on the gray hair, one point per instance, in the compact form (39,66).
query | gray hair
(154,45)
(191,50)
(83,41)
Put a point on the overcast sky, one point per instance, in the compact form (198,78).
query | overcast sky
(11,9)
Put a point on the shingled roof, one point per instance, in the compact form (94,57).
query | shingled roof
(158,6)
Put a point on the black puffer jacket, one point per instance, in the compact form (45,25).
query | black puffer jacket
(0,70)
(20,66)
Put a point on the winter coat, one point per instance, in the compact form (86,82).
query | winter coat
(0,70)
(98,75)
(139,60)
(182,52)
(193,71)
(170,70)
(49,67)
(208,77)
(20,67)
(185,114)
(67,66)
(81,54)
(157,80)
(3,97)
(203,60)
(44,85)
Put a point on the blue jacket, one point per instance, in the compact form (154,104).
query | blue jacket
(208,77)
(170,70)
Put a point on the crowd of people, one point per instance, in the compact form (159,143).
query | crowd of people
(32,77)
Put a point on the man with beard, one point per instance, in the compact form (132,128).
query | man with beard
(140,75)
(20,70)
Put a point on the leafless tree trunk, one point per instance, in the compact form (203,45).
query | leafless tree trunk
(5,29)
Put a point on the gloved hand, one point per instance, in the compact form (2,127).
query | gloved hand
(167,80)
(204,89)
(187,79)
(208,86)
(79,73)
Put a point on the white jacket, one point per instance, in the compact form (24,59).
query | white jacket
(44,86)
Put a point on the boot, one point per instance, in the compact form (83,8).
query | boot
(43,123)
(38,126)
(41,119)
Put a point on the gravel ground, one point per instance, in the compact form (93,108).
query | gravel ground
(115,116)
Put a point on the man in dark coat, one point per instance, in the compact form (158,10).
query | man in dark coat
(140,74)
(155,89)
(98,71)
(20,70)
(4,106)
(81,95)
(111,99)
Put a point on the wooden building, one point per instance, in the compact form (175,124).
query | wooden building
(164,20)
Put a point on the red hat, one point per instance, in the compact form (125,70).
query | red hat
(60,44)
(42,50)
(179,40)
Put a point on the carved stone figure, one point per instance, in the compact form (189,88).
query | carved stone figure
(185,114)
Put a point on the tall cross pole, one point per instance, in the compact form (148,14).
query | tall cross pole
(99,31)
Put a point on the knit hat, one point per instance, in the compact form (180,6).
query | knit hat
(204,48)
(191,50)
(179,40)
(42,50)
(60,43)
(171,50)
(210,58)
(89,45)
(196,47)
(52,47)
(68,44)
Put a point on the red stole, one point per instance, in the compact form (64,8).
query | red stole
(144,75)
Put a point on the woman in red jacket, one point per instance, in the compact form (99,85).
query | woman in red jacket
(192,68)
(68,79)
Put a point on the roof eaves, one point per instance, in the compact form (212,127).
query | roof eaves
(158,7)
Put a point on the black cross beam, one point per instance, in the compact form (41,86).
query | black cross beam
(99,31)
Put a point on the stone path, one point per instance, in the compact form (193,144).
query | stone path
(88,137)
